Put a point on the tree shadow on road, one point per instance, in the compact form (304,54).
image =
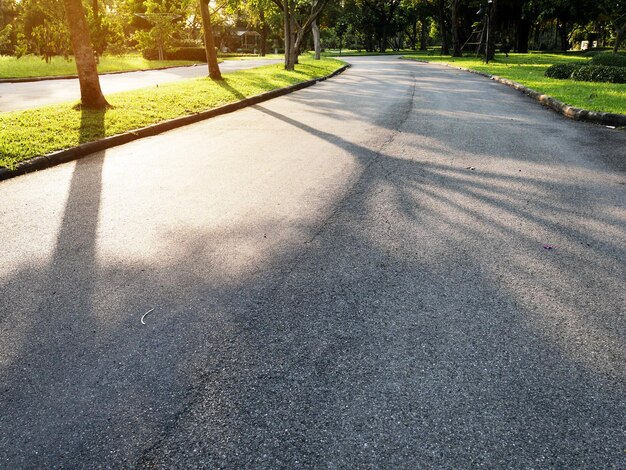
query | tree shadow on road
(415,323)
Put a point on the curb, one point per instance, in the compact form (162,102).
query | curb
(73,77)
(571,112)
(82,150)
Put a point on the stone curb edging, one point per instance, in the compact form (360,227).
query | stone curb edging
(73,77)
(82,150)
(571,112)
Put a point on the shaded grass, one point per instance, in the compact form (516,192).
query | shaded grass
(34,66)
(35,132)
(528,69)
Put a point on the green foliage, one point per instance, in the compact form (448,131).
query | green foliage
(43,29)
(600,73)
(563,71)
(27,134)
(608,58)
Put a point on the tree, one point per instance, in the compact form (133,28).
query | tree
(385,12)
(295,30)
(615,13)
(455,6)
(209,43)
(317,45)
(445,48)
(90,93)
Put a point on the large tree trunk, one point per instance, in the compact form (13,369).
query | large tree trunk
(456,40)
(209,42)
(287,20)
(317,45)
(90,93)
(445,49)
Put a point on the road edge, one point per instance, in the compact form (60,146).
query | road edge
(74,77)
(82,150)
(570,112)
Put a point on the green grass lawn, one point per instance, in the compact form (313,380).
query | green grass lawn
(528,69)
(34,66)
(30,133)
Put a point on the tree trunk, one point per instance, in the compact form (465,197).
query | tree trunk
(456,41)
(619,35)
(522,34)
(563,36)
(424,35)
(209,42)
(445,49)
(90,93)
(263,49)
(317,45)
(295,44)
(289,64)
(413,36)
(490,42)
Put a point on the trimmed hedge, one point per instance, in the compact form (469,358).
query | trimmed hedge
(197,54)
(614,60)
(563,71)
(600,73)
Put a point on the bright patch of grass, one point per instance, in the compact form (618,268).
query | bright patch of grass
(30,133)
(33,66)
(528,69)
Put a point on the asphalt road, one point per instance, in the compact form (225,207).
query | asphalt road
(406,266)
(26,95)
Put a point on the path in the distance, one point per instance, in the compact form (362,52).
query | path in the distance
(406,266)
(26,95)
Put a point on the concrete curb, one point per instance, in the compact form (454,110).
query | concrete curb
(82,150)
(571,112)
(73,77)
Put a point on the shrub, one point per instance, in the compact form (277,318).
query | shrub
(600,73)
(563,71)
(197,54)
(592,51)
(614,60)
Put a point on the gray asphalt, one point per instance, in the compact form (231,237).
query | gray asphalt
(26,95)
(406,266)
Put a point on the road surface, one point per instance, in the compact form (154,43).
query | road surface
(26,95)
(406,266)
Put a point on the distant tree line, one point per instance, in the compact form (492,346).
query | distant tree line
(116,26)
(88,28)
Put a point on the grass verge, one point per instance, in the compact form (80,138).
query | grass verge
(528,69)
(33,66)
(35,132)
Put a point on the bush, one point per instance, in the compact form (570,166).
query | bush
(197,54)
(594,51)
(563,71)
(600,73)
(608,58)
